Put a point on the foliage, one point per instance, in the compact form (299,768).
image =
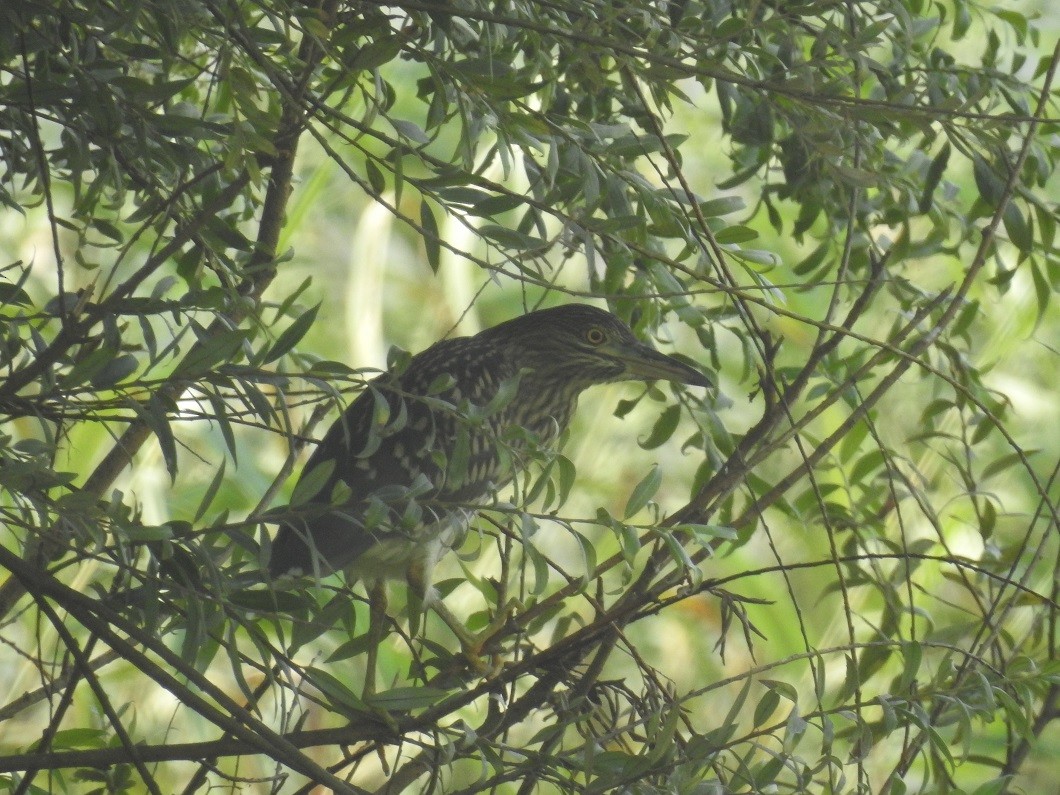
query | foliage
(846,210)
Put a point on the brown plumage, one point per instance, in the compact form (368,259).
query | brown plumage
(393,478)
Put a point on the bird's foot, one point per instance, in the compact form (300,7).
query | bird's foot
(475,647)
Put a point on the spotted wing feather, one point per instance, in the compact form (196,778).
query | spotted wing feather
(329,535)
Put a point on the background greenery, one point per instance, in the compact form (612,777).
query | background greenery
(835,573)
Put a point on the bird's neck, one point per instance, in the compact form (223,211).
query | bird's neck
(543,406)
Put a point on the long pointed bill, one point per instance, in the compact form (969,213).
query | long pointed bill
(645,363)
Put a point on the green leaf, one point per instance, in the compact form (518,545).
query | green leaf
(115,371)
(221,411)
(588,556)
(511,238)
(375,177)
(1019,231)
(733,716)
(145,533)
(376,53)
(867,465)
(272,601)
(565,475)
(706,535)
(812,260)
(336,691)
(540,564)
(681,557)
(766,707)
(206,354)
(14,294)
(732,235)
(852,441)
(991,186)
(933,177)
(87,367)
(292,335)
(431,236)
(108,229)
(410,130)
(993,787)
(1005,463)
(1042,291)
(962,19)
(495,205)
(352,648)
(156,417)
(311,483)
(80,738)
(715,208)
(643,491)
(404,699)
(664,427)
(912,655)
(211,491)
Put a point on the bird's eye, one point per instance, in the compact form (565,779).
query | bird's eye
(595,336)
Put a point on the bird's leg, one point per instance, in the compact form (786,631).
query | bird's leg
(377,603)
(422,597)
(419,595)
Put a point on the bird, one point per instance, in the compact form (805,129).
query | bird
(395,480)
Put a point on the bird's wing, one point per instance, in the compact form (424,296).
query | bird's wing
(397,435)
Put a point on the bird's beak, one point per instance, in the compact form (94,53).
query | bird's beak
(644,363)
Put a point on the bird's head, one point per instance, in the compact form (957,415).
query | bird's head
(581,345)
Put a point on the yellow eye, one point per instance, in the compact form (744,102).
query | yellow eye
(595,336)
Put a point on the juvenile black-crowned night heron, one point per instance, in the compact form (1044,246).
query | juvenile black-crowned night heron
(394,481)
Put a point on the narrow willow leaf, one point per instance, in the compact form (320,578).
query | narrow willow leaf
(211,492)
(1005,463)
(707,534)
(292,335)
(374,54)
(664,427)
(766,707)
(1019,230)
(157,419)
(991,186)
(933,177)
(735,234)
(145,533)
(812,260)
(912,654)
(715,208)
(994,786)
(87,367)
(588,556)
(337,693)
(80,738)
(410,130)
(375,177)
(512,238)
(403,699)
(115,371)
(565,475)
(207,354)
(431,236)
(643,492)
(311,482)
(349,649)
